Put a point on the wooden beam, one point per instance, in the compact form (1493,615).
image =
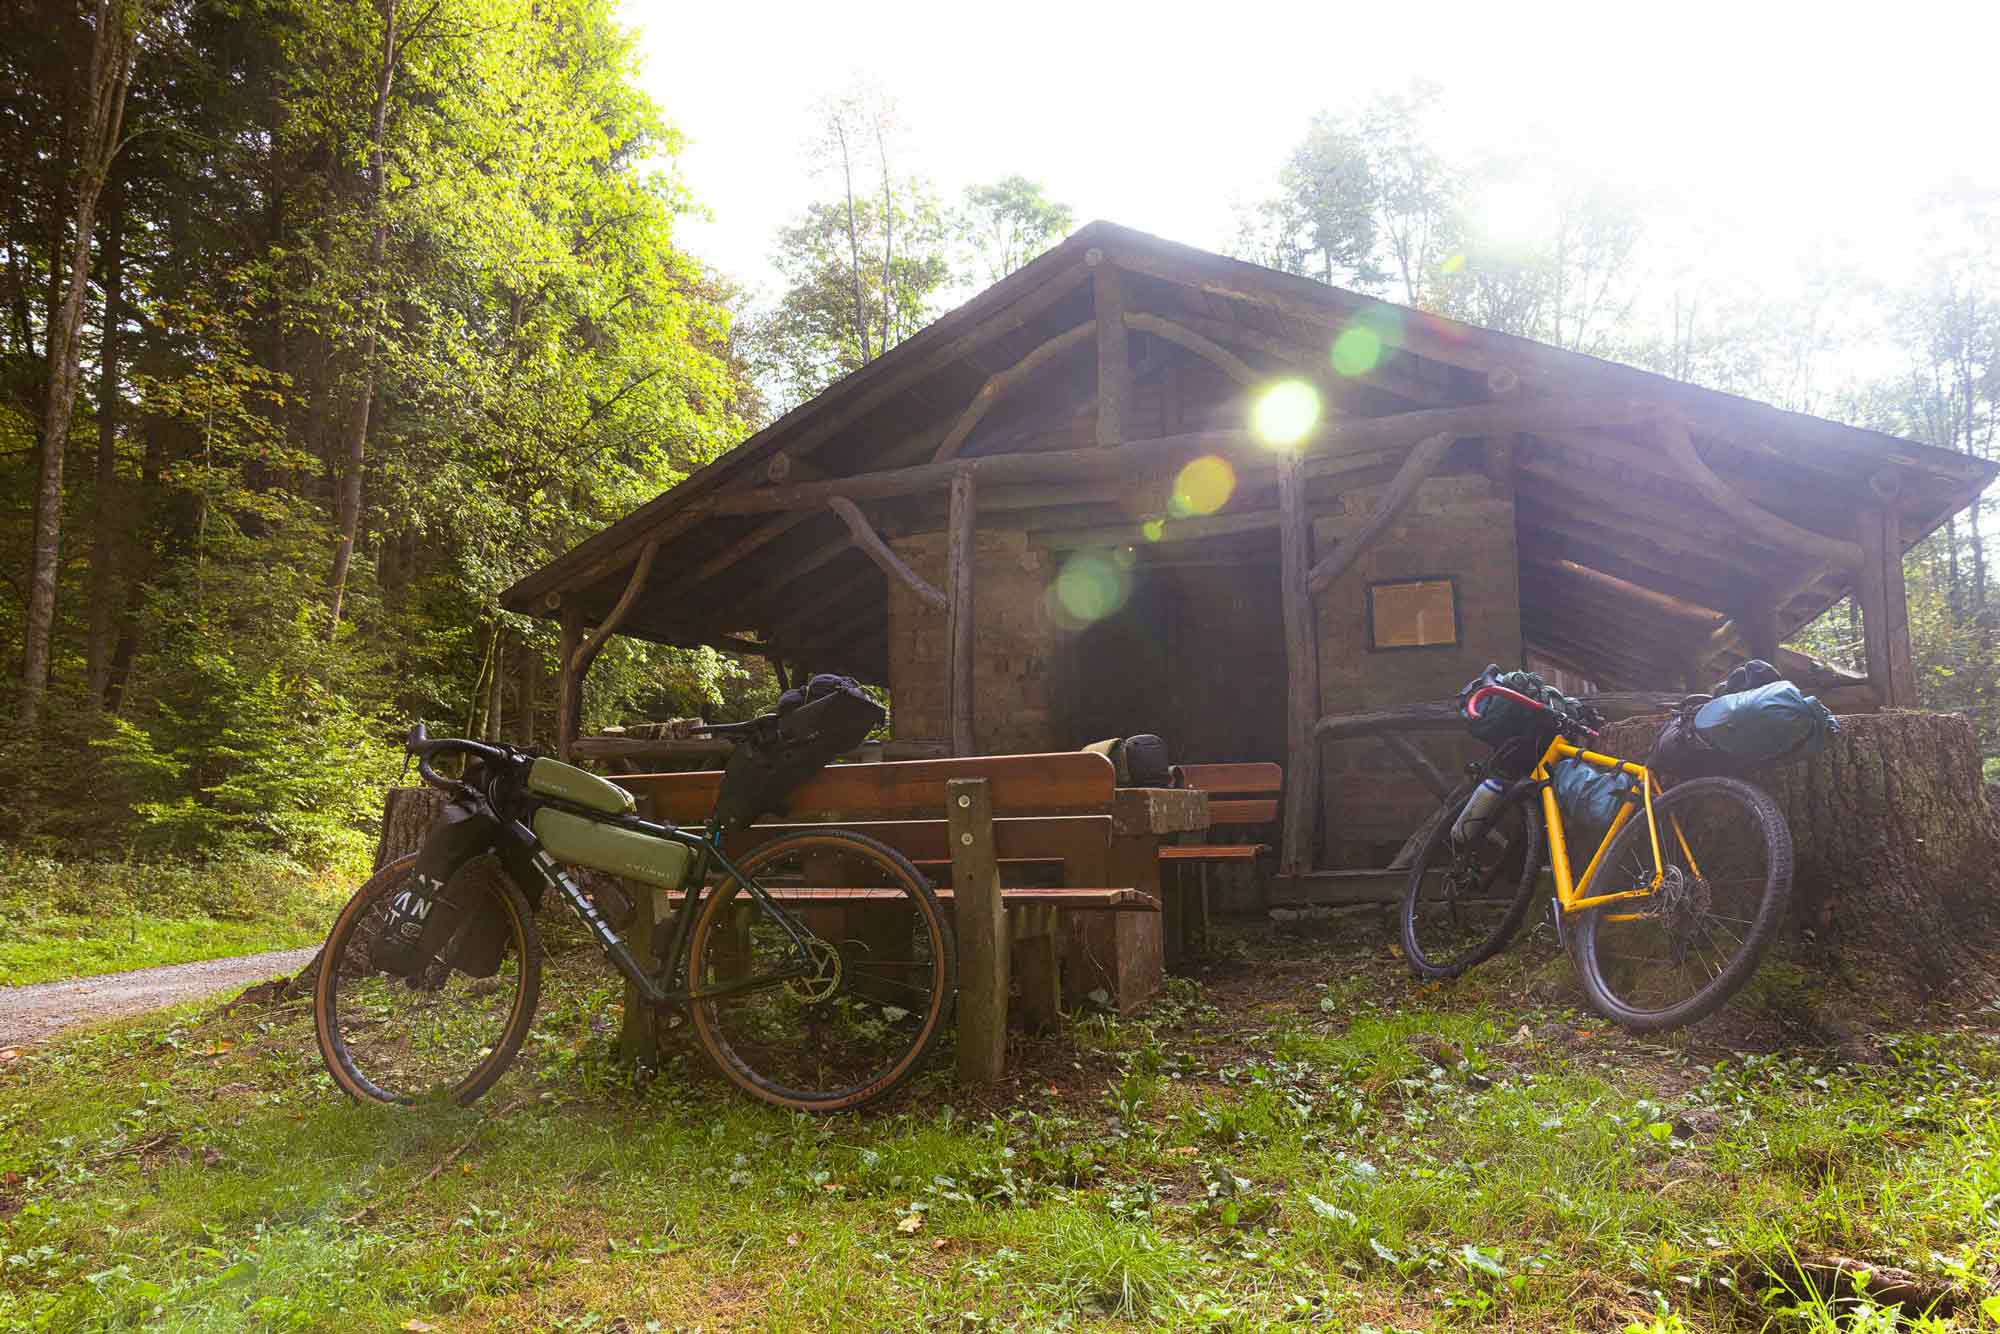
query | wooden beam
(1417,763)
(1672,435)
(1169,453)
(1885,611)
(981,919)
(569,680)
(999,384)
(1663,603)
(1231,365)
(961,554)
(871,544)
(1301,797)
(1421,463)
(1114,362)
(593,643)
(1195,528)
(736,552)
(781,579)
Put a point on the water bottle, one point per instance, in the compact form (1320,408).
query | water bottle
(1472,821)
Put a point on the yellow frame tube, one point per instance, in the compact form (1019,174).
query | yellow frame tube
(1570,893)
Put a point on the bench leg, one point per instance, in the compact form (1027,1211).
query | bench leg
(1034,947)
(982,932)
(1173,909)
(639,1031)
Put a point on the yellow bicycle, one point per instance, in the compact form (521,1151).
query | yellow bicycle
(1673,912)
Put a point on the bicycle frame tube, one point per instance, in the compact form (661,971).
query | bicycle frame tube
(527,852)
(1573,894)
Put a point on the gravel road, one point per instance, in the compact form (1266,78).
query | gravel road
(28,1014)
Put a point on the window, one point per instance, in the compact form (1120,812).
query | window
(1413,613)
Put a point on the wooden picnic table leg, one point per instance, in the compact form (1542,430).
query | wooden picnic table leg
(982,932)
(1033,943)
(639,1033)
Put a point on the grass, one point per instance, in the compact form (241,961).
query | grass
(1262,1151)
(81,919)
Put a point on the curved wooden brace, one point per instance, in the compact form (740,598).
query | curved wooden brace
(878,551)
(1232,365)
(1000,382)
(1421,463)
(586,652)
(1674,439)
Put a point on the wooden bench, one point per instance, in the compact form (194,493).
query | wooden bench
(1049,813)
(1241,798)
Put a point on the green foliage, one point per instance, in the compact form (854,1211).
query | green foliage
(1007,223)
(535,355)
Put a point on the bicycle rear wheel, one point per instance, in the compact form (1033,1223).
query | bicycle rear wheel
(1676,955)
(449,1033)
(883,969)
(1463,904)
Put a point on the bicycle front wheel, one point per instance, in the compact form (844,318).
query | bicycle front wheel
(1725,875)
(852,1016)
(451,1031)
(1464,903)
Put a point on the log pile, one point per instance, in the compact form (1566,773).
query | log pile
(1896,895)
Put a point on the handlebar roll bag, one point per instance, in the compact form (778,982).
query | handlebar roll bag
(814,724)
(426,910)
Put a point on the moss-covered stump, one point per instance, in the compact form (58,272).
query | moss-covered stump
(1896,897)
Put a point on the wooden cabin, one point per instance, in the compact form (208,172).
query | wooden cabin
(1072,509)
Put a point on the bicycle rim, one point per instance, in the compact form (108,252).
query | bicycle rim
(448,1034)
(879,972)
(1463,903)
(1679,953)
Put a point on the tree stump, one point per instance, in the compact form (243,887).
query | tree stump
(1896,893)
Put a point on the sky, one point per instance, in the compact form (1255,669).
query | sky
(1752,130)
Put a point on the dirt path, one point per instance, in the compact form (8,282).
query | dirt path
(30,1013)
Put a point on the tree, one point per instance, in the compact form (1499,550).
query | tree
(842,305)
(90,142)
(1007,223)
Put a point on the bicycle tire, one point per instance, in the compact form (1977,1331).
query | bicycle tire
(1427,963)
(707,950)
(1625,852)
(345,956)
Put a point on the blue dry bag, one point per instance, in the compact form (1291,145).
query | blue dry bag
(1589,799)
(1771,724)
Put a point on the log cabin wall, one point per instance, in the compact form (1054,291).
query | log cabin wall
(1459,526)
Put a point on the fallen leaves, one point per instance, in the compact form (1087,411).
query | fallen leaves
(909,1223)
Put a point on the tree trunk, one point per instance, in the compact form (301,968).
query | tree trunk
(1896,893)
(103,550)
(111,54)
(348,506)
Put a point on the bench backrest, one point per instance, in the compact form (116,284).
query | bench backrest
(1082,843)
(1063,783)
(1238,793)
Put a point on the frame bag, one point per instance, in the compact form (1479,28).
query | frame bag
(814,724)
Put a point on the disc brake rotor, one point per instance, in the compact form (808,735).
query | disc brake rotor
(825,978)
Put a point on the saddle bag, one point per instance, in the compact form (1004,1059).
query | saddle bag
(1772,723)
(814,724)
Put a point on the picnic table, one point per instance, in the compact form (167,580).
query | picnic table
(1097,930)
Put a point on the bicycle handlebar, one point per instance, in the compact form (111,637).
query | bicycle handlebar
(421,746)
(1478,696)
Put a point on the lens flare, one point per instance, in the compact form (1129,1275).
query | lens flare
(1091,586)
(1154,529)
(1285,414)
(1368,337)
(1202,487)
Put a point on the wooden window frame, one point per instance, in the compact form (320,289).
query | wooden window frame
(1457,639)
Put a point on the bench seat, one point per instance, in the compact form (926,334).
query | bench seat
(1230,852)
(1111,899)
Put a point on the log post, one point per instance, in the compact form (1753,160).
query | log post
(1885,610)
(982,932)
(961,550)
(1759,626)
(569,681)
(531,691)
(1301,670)
(1114,366)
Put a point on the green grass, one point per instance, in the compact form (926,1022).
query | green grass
(81,919)
(1237,1158)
